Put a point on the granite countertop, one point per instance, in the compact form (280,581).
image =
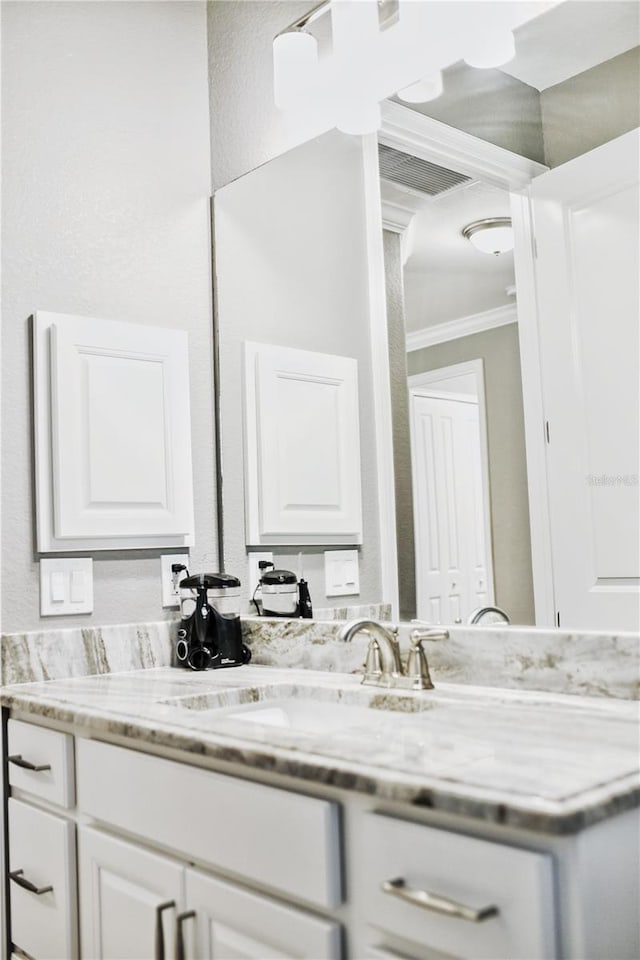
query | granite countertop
(542,761)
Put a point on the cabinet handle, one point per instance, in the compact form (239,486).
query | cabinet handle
(159,939)
(431,901)
(189,915)
(17,877)
(27,765)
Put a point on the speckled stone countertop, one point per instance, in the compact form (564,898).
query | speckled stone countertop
(546,762)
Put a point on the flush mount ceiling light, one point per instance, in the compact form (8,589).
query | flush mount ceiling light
(491,235)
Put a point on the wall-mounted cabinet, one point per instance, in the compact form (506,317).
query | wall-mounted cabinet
(112,435)
(302,447)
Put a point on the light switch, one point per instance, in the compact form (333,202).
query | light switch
(57,587)
(341,573)
(66,586)
(77,586)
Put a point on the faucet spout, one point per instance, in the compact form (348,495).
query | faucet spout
(387,641)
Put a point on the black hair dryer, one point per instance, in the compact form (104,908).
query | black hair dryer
(208,637)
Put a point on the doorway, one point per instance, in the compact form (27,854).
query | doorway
(450,479)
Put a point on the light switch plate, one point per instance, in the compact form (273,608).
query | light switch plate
(341,573)
(66,586)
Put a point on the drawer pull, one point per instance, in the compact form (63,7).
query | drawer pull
(17,877)
(27,765)
(180,952)
(159,939)
(431,901)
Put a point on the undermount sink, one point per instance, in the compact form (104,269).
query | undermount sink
(294,713)
(300,708)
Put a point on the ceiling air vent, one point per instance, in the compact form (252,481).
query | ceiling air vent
(416,174)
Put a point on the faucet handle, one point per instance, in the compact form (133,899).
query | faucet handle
(417,665)
(373,663)
(417,636)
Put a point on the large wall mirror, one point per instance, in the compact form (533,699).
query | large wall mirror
(355,247)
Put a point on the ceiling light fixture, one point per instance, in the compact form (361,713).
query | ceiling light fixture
(491,235)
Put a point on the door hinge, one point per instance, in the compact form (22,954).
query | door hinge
(547,432)
(557,618)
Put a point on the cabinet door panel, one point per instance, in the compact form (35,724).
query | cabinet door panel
(42,852)
(236,924)
(121,887)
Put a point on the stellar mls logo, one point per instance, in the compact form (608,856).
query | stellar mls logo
(612,479)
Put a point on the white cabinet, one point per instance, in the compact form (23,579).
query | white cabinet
(180,861)
(457,894)
(125,897)
(302,447)
(232,922)
(42,887)
(112,435)
(139,904)
(234,825)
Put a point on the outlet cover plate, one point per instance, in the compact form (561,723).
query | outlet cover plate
(253,559)
(171,596)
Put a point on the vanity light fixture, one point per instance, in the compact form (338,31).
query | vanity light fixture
(429,88)
(375,48)
(491,235)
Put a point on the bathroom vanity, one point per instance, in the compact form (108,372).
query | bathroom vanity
(263,812)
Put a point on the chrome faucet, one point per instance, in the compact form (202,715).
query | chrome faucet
(489,614)
(383,666)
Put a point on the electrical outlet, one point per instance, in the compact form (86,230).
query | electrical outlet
(255,573)
(170,581)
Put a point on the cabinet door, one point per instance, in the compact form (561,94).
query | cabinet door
(234,924)
(122,891)
(302,465)
(113,437)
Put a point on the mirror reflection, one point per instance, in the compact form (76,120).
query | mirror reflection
(466,347)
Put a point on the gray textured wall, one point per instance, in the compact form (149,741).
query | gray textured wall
(401,435)
(499,349)
(246,128)
(490,105)
(106,179)
(592,108)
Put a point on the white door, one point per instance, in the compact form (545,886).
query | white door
(231,923)
(129,899)
(586,227)
(452,548)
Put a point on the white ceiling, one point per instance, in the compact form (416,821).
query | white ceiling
(445,276)
(571,37)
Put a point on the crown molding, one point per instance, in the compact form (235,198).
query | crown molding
(462,327)
(412,132)
(395,216)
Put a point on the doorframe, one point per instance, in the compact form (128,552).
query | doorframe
(418,385)
(410,131)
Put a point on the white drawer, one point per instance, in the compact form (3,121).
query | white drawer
(41,762)
(273,837)
(476,873)
(42,853)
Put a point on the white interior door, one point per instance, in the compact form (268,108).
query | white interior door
(453,565)
(586,227)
